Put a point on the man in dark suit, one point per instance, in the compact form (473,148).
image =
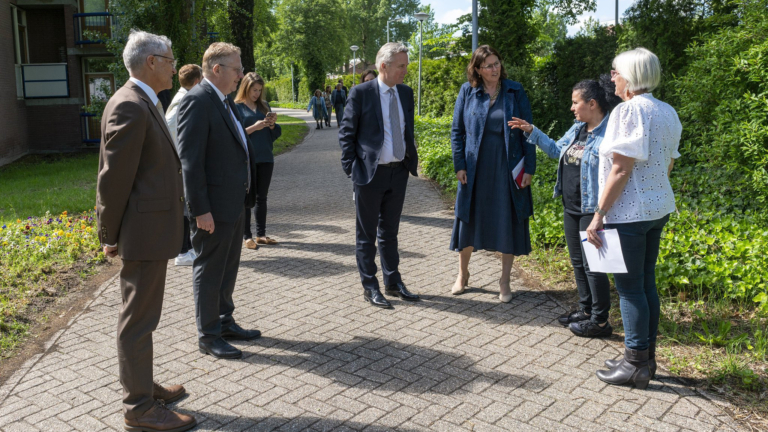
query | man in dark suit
(139,206)
(339,100)
(217,161)
(378,151)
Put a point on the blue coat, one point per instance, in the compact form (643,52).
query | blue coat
(317,105)
(469,118)
(589,162)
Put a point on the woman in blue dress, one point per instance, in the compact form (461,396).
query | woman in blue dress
(259,124)
(317,106)
(492,207)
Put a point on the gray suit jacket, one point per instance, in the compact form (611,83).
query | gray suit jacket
(212,157)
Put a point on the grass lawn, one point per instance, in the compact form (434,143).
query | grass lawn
(294,131)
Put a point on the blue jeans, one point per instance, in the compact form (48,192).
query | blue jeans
(638,298)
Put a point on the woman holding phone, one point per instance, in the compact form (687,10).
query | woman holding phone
(259,124)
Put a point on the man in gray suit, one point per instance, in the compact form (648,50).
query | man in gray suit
(218,183)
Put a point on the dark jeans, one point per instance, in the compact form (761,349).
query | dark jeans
(263,175)
(339,113)
(379,205)
(594,288)
(639,299)
(186,243)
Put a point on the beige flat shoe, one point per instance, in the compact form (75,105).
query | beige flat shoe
(458,288)
(266,241)
(505,298)
(250,244)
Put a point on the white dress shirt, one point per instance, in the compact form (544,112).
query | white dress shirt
(647,130)
(234,119)
(387,155)
(172,115)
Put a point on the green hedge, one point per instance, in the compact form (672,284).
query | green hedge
(703,253)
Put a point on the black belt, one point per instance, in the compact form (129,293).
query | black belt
(393,164)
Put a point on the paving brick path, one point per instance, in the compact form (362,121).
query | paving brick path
(328,361)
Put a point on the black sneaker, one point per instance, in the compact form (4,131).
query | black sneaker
(571,317)
(589,329)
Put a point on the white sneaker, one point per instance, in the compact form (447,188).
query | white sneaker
(186,259)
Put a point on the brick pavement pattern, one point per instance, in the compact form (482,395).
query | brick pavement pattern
(329,361)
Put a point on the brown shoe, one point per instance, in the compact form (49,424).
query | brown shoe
(266,241)
(168,394)
(250,244)
(161,419)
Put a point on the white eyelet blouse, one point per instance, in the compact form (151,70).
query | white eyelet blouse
(647,130)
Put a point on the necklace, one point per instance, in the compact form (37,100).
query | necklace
(496,94)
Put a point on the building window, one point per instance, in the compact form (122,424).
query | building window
(19,30)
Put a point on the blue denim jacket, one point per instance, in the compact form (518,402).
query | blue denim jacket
(589,162)
(469,116)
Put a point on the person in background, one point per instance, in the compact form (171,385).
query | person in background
(259,124)
(339,100)
(577,151)
(492,210)
(636,158)
(317,106)
(343,87)
(189,76)
(328,105)
(368,75)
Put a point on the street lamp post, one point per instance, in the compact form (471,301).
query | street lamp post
(354,49)
(474,25)
(391,21)
(421,16)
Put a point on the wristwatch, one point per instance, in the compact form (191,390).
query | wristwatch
(599,211)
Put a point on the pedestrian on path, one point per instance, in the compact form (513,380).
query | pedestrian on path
(492,210)
(636,198)
(139,208)
(189,76)
(339,100)
(328,105)
(259,124)
(219,182)
(317,106)
(368,75)
(577,151)
(379,160)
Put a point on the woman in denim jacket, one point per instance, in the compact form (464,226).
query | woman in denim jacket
(577,172)
(491,212)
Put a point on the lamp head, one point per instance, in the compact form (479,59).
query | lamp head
(421,16)
(354,47)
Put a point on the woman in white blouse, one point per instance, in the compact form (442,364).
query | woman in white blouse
(636,157)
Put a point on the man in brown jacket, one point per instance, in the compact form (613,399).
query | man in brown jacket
(139,203)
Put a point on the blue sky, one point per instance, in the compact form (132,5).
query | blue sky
(448,11)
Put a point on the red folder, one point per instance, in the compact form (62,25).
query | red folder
(517,174)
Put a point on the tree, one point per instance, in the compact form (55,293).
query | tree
(368,24)
(438,38)
(241,22)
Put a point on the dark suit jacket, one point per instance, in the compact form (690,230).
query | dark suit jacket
(139,192)
(361,135)
(212,156)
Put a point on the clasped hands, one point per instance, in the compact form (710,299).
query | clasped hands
(461,176)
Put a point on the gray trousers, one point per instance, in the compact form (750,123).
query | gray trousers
(142,285)
(214,275)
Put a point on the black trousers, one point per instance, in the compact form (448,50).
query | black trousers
(186,244)
(379,205)
(594,288)
(214,275)
(263,175)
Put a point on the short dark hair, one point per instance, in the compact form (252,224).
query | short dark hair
(601,91)
(368,72)
(190,73)
(478,57)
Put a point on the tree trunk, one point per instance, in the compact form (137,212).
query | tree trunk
(241,22)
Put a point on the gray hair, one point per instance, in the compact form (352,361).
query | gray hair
(641,69)
(141,45)
(388,51)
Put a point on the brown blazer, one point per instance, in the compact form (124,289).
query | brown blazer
(139,190)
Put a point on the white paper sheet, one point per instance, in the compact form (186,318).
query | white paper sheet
(607,259)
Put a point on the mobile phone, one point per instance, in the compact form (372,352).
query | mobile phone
(271,114)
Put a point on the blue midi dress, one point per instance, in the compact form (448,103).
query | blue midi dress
(493,224)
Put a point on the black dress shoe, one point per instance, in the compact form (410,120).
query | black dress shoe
(235,332)
(219,348)
(574,316)
(401,291)
(589,329)
(375,298)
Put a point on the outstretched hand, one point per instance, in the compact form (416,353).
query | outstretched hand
(518,123)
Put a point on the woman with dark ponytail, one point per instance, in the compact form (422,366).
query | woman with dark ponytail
(577,184)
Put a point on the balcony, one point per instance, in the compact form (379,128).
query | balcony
(90,25)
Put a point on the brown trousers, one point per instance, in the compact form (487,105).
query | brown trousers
(142,284)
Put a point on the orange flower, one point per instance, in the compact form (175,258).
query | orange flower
(64,213)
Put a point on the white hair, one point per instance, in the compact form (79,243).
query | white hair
(388,51)
(141,45)
(641,69)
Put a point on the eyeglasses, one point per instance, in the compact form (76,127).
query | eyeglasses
(174,62)
(614,73)
(490,67)
(241,69)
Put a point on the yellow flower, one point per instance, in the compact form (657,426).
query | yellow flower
(89,229)
(68,224)
(60,233)
(68,235)
(18,220)
(5,243)
(82,226)
(64,213)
